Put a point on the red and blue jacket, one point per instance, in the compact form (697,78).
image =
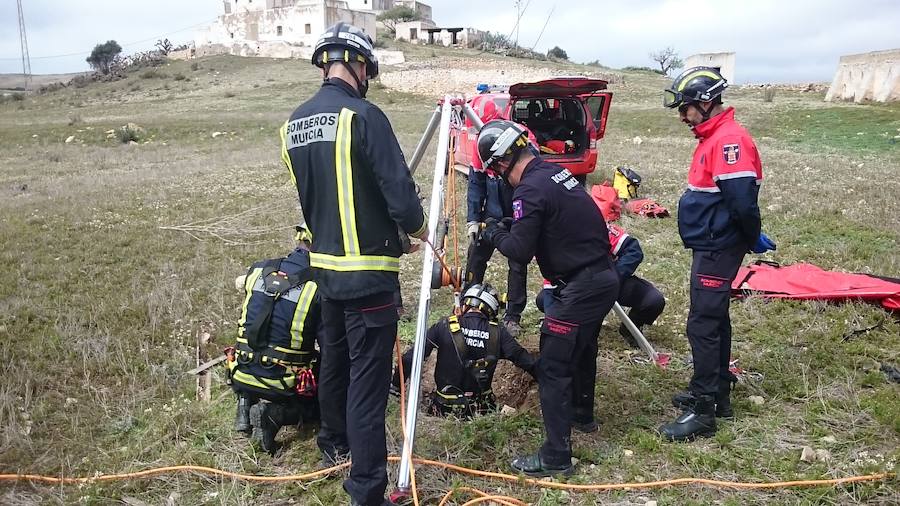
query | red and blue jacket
(719,209)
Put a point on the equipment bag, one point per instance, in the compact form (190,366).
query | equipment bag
(626,182)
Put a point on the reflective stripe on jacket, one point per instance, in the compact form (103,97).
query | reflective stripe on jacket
(354,188)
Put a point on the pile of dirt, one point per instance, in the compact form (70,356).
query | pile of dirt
(438,76)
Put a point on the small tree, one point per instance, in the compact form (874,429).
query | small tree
(164,46)
(103,56)
(398,14)
(667,59)
(557,53)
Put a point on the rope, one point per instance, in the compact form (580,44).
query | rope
(450,467)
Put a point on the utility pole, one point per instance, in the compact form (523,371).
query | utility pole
(23,40)
(518,19)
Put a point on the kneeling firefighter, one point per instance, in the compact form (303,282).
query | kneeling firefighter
(469,347)
(273,366)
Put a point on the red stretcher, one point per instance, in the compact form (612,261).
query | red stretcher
(809,282)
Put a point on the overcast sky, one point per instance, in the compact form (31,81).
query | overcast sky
(775,40)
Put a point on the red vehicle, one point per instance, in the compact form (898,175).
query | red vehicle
(566,115)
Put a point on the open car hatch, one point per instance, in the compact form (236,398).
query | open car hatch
(557,87)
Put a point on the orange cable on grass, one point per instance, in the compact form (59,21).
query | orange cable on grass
(433,463)
(506,501)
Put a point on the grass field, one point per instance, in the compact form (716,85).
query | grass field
(104,293)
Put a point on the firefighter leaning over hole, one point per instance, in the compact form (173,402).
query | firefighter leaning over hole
(272,367)
(355,191)
(555,221)
(719,220)
(468,347)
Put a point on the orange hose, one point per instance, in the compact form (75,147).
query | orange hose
(502,499)
(508,501)
(485,474)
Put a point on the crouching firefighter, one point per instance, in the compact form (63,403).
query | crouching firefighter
(469,346)
(273,366)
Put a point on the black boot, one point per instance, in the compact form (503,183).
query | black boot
(696,421)
(723,399)
(686,399)
(267,419)
(242,418)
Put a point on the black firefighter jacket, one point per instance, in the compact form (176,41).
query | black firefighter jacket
(355,189)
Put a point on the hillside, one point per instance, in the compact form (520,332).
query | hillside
(115,257)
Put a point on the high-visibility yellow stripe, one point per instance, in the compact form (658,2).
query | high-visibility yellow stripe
(265,383)
(699,73)
(299,321)
(285,156)
(248,288)
(354,263)
(344,173)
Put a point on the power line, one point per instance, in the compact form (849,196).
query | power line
(82,53)
(544,28)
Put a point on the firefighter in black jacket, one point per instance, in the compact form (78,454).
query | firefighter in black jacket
(557,222)
(355,191)
(272,367)
(469,347)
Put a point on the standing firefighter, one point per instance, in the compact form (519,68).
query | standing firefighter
(468,348)
(355,190)
(273,364)
(557,222)
(718,218)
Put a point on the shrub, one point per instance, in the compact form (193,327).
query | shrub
(181,77)
(74,119)
(229,94)
(195,66)
(643,69)
(557,53)
(129,132)
(769,94)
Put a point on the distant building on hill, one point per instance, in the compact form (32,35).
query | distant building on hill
(273,26)
(725,62)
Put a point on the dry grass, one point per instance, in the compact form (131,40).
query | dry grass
(101,302)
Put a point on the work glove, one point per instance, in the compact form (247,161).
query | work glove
(472,228)
(492,227)
(763,244)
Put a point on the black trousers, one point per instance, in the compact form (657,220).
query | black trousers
(567,367)
(644,299)
(516,278)
(354,380)
(709,324)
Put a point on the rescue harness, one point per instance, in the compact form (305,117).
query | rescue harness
(466,401)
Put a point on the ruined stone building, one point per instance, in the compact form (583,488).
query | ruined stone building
(871,76)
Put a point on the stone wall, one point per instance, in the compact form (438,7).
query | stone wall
(867,77)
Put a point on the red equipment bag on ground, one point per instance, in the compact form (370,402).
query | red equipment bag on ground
(607,199)
(648,208)
(809,282)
